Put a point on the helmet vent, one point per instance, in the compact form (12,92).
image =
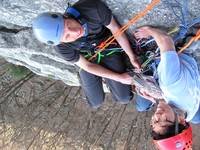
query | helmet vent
(54,16)
(187,146)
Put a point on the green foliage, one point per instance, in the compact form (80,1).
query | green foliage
(17,72)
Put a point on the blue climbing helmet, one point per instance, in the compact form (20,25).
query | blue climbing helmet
(48,27)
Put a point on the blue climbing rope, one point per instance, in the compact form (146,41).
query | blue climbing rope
(185,18)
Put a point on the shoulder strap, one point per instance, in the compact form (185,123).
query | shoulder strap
(72,12)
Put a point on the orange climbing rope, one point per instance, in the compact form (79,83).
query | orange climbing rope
(106,43)
(193,39)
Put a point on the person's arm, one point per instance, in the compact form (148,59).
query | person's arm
(163,40)
(123,41)
(98,70)
(169,69)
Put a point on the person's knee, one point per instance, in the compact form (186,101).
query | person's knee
(142,108)
(95,106)
(143,104)
(124,99)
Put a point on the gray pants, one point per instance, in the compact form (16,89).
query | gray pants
(92,84)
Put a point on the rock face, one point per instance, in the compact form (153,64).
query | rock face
(18,45)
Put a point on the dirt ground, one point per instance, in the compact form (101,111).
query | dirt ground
(38,113)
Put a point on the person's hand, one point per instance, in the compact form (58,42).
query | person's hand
(125,78)
(145,94)
(135,63)
(163,40)
(142,32)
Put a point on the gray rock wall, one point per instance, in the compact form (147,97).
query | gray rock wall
(18,46)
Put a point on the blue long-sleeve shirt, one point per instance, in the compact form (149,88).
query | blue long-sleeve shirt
(180,81)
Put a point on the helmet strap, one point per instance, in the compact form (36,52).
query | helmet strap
(176,123)
(72,12)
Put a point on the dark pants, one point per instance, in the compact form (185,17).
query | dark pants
(121,93)
(92,84)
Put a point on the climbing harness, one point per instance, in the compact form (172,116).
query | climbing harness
(106,43)
(108,52)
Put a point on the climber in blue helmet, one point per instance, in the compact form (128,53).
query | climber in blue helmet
(53,28)
(80,30)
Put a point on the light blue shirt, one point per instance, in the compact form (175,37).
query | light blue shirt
(180,81)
